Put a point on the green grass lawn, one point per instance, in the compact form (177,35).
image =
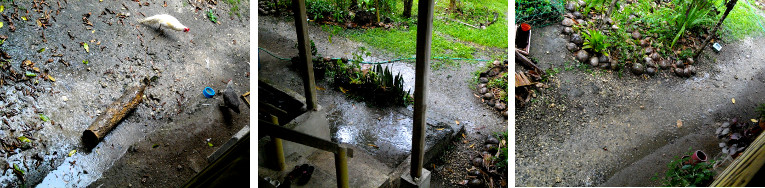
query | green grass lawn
(744,20)
(449,40)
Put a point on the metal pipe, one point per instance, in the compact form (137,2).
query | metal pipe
(304,47)
(110,118)
(424,36)
(341,168)
(276,146)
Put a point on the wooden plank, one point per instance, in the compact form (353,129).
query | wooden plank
(267,128)
(743,169)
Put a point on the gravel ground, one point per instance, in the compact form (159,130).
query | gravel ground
(602,129)
(121,52)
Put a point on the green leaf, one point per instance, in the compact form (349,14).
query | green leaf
(210,144)
(85,45)
(41,50)
(30,74)
(72,152)
(16,167)
(44,117)
(85,62)
(155,146)
(24,139)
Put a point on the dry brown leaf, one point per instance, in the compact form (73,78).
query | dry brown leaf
(679,123)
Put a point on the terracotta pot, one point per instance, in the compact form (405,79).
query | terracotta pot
(698,156)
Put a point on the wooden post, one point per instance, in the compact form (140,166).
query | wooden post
(278,151)
(304,47)
(743,169)
(114,114)
(424,36)
(341,168)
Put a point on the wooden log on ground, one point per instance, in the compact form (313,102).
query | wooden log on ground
(526,62)
(117,111)
(743,169)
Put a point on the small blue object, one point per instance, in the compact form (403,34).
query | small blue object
(208,92)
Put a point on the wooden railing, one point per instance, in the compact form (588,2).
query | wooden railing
(279,132)
(743,169)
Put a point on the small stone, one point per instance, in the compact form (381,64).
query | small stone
(488,96)
(725,131)
(491,148)
(475,183)
(568,30)
(637,68)
(718,131)
(577,15)
(594,61)
(680,72)
(483,80)
(650,71)
(576,38)
(179,168)
(725,150)
(490,103)
(499,106)
(571,6)
(582,56)
(645,42)
(649,62)
(690,61)
(655,56)
(581,22)
(722,144)
(648,50)
(572,47)
(64,98)
(636,35)
(582,3)
(691,69)
(568,22)
(603,59)
(679,64)
(495,63)
(478,162)
(491,140)
(725,125)
(614,27)
(483,90)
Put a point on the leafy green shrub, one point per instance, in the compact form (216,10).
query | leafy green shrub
(319,10)
(378,87)
(685,175)
(690,14)
(596,41)
(761,110)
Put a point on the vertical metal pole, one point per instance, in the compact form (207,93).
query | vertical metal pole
(304,47)
(341,168)
(276,146)
(424,35)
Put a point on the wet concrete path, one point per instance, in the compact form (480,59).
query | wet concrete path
(600,129)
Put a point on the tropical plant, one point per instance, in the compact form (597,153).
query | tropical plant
(596,41)
(683,174)
(690,14)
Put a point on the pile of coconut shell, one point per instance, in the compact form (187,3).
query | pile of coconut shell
(491,96)
(650,63)
(484,172)
(736,135)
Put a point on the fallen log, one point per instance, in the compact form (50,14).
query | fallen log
(117,111)
(526,61)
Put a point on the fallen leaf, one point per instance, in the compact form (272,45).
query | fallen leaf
(1,24)
(44,117)
(372,145)
(72,152)
(85,62)
(24,139)
(463,182)
(51,78)
(679,123)
(85,45)
(24,18)
(440,129)
(155,146)
(41,50)
(754,120)
(471,145)
(733,100)
(94,31)
(30,74)
(343,90)
(210,144)
(320,88)
(2,8)
(16,167)
(36,69)
(39,24)
(463,135)
(458,122)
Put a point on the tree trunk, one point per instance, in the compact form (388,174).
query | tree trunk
(407,8)
(611,8)
(728,7)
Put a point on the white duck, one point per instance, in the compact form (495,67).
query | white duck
(165,20)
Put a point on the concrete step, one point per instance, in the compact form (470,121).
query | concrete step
(363,170)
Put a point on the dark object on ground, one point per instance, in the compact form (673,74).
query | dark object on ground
(113,115)
(301,174)
(230,97)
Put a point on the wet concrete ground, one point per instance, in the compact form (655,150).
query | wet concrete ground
(174,114)
(450,98)
(604,130)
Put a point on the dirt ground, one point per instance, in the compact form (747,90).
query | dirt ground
(449,97)
(601,129)
(174,116)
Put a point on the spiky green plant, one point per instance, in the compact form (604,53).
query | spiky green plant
(596,41)
(690,14)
